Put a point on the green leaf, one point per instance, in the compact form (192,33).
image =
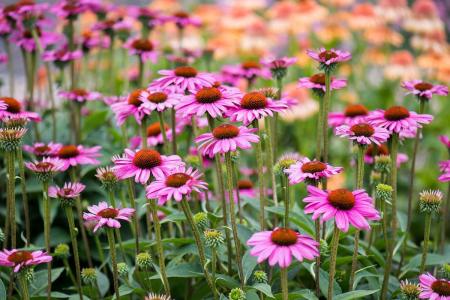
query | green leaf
(2,290)
(264,288)
(226,281)
(432,260)
(39,283)
(323,280)
(355,295)
(102,283)
(302,294)
(94,120)
(248,264)
(175,217)
(183,270)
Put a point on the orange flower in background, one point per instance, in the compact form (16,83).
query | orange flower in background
(401,66)
(424,18)
(383,35)
(363,16)
(306,106)
(392,11)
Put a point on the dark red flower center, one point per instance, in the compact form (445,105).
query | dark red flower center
(110,213)
(147,159)
(181,14)
(284,237)
(185,71)
(318,78)
(254,100)
(208,95)
(363,129)
(158,97)
(374,150)
(142,45)
(68,151)
(342,199)
(244,184)
(41,149)
(67,191)
(80,92)
(133,98)
(355,110)
(246,65)
(327,54)
(20,257)
(423,86)
(155,129)
(13,106)
(313,167)
(396,113)
(441,287)
(44,165)
(225,131)
(178,179)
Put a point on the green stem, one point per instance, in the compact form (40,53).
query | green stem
(285,182)
(11,195)
(326,108)
(144,133)
(69,271)
(270,159)
(319,141)
(317,267)
(284,283)
(23,282)
(141,71)
(112,250)
(46,200)
(259,164)
(333,255)
(200,159)
(163,131)
(173,121)
(76,256)
(23,185)
(426,240)
(444,221)
(112,201)
(135,217)
(213,265)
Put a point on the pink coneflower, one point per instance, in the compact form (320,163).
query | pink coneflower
(376,150)
(363,133)
(90,40)
(444,177)
(317,83)
(154,135)
(133,106)
(278,63)
(42,149)
(346,207)
(19,259)
(10,107)
(73,155)
(142,47)
(445,140)
(245,187)
(306,169)
(24,39)
(444,166)
(148,17)
(183,19)
(398,119)
(353,114)
(104,215)
(69,9)
(433,288)
(62,56)
(424,90)
(225,138)
(3,58)
(328,58)
(279,245)
(178,183)
(80,95)
(184,78)
(69,190)
(144,163)
(159,99)
(249,70)
(254,106)
(212,100)
(46,168)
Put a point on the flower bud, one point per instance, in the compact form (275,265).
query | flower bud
(62,250)
(144,260)
(383,164)
(213,238)
(201,220)
(430,201)
(89,275)
(259,276)
(410,291)
(237,294)
(383,192)
(122,269)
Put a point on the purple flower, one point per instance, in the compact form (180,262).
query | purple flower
(424,90)
(278,63)
(41,149)
(73,155)
(61,56)
(69,190)
(182,19)
(445,140)
(12,108)
(305,169)
(317,83)
(134,105)
(19,259)
(144,48)
(160,99)
(329,57)
(103,215)
(433,288)
(184,78)
(80,95)
(353,114)
(363,133)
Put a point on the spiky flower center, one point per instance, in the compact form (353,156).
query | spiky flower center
(355,110)
(244,184)
(225,131)
(39,150)
(178,179)
(246,65)
(318,78)
(67,191)
(423,86)
(68,151)
(181,14)
(254,100)
(185,71)
(133,98)
(374,150)
(313,167)
(363,129)
(20,257)
(208,95)
(284,237)
(396,113)
(109,212)
(441,287)
(157,97)
(142,45)
(342,199)
(147,159)
(155,129)
(327,55)
(13,106)
(44,165)
(80,92)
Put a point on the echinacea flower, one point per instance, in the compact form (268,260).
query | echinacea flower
(353,114)
(62,56)
(68,9)
(214,100)
(42,149)
(254,106)
(310,170)
(143,48)
(398,119)
(410,291)
(345,206)
(178,183)
(143,163)
(80,95)
(249,70)
(278,63)
(10,107)
(19,259)
(154,135)
(374,150)
(363,133)
(317,83)
(184,78)
(46,168)
(433,288)
(279,245)
(329,58)
(104,215)
(25,40)
(73,155)
(11,138)
(444,166)
(69,190)
(159,99)
(245,188)
(445,140)
(183,19)
(225,138)
(424,90)
(153,296)
(132,106)
(107,177)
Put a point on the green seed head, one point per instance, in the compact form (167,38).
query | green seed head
(260,276)
(285,161)
(237,294)
(410,291)
(201,220)
(213,238)
(89,275)
(62,250)
(122,269)
(430,201)
(144,260)
(445,271)
(383,192)
(383,164)
(192,160)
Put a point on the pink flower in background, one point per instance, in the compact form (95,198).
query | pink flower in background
(278,63)
(73,155)
(24,39)
(346,207)
(305,169)
(68,9)
(12,108)
(363,133)
(353,114)
(445,177)
(133,106)
(80,95)
(225,138)
(445,140)
(69,190)
(182,19)
(249,70)
(398,119)
(3,58)
(144,48)
(317,82)
(19,259)
(104,215)
(434,288)
(444,166)
(329,57)
(62,55)
(154,135)
(424,90)
(48,164)
(184,78)
(159,99)
(374,150)
(42,149)
(144,163)
(278,246)
(178,183)
(245,187)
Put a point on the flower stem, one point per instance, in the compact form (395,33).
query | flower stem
(259,164)
(444,221)
(270,159)
(163,131)
(333,255)
(10,160)
(23,185)
(285,182)
(426,240)
(135,218)
(317,267)
(200,159)
(46,201)
(112,201)
(76,256)
(284,283)
(159,246)
(326,108)
(173,121)
(144,133)
(112,250)
(237,243)
(319,141)
(23,282)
